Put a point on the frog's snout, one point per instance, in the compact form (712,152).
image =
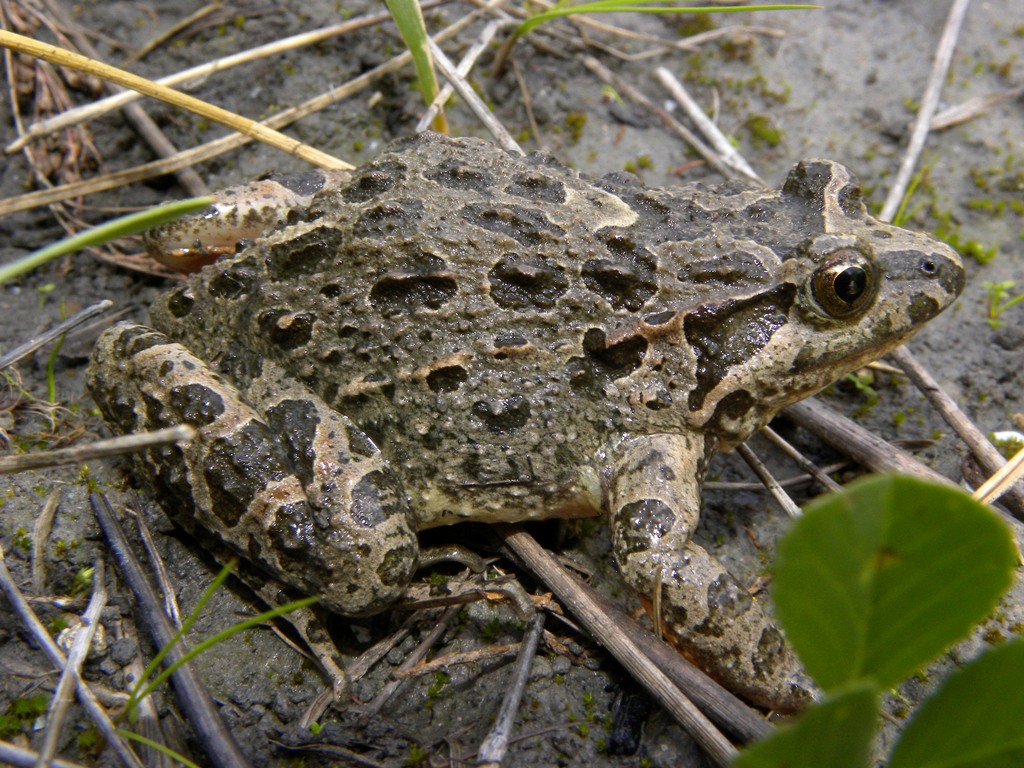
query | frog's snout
(945,267)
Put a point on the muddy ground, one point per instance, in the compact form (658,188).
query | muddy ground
(840,82)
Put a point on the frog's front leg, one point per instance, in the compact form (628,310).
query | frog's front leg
(654,504)
(293,487)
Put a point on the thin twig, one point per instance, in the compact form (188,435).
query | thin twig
(621,646)
(30,346)
(466,64)
(40,535)
(781,497)
(216,740)
(137,441)
(683,132)
(987,455)
(726,151)
(1002,481)
(144,125)
(96,109)
(495,745)
(224,144)
(929,101)
(18,757)
(821,475)
(418,654)
(868,449)
(256,130)
(473,101)
(71,675)
(477,655)
(527,99)
(86,697)
(972,108)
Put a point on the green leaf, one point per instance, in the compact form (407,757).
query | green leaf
(874,582)
(835,733)
(973,720)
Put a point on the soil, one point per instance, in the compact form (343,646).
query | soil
(842,81)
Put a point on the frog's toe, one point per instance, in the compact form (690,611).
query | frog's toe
(713,620)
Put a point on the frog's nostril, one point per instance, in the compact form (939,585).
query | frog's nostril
(929,267)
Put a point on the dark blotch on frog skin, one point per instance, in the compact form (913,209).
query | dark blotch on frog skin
(850,201)
(729,334)
(621,285)
(504,415)
(636,523)
(230,284)
(287,330)
(727,601)
(197,405)
(447,379)
(376,179)
(618,359)
(529,227)
(117,404)
(397,566)
(397,293)
(181,301)
(537,187)
(306,254)
(170,472)
(359,444)
(292,533)
(388,219)
(770,648)
(627,279)
(651,515)
(136,339)
(521,282)
(659,318)
(923,308)
(733,407)
(296,421)
(376,497)
(454,174)
(239,466)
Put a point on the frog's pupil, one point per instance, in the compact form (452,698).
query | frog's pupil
(850,284)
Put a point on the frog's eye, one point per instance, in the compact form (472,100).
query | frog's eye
(844,285)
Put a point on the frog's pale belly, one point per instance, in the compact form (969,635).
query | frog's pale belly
(458,333)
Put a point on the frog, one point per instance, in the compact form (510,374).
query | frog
(452,333)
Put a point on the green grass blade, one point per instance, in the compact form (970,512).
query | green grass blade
(234,629)
(642,6)
(409,18)
(140,690)
(161,748)
(125,225)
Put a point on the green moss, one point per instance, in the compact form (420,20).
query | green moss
(994,636)
(763,131)
(417,756)
(574,123)
(689,24)
(22,539)
(1008,447)
(28,708)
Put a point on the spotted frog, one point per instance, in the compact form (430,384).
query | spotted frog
(457,333)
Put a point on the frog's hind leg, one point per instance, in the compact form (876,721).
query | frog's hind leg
(654,503)
(293,487)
